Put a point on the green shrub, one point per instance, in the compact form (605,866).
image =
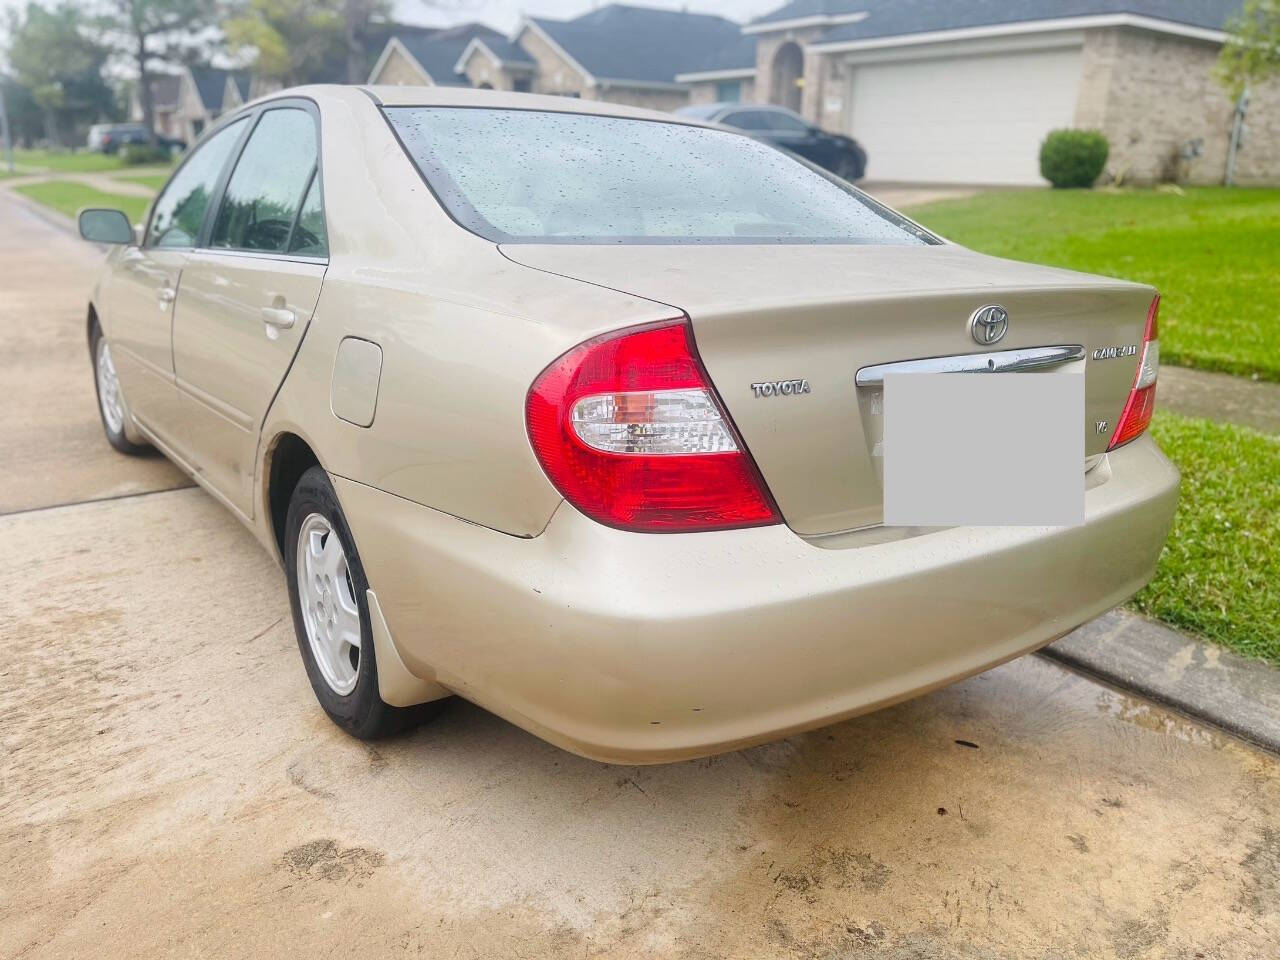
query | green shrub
(1073,158)
(136,154)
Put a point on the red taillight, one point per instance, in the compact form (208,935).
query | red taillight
(628,427)
(1142,398)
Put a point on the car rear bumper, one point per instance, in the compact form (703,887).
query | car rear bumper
(646,648)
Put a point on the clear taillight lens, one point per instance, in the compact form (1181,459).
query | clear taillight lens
(1142,398)
(657,423)
(629,428)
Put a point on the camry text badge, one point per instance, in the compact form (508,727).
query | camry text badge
(780,388)
(1108,353)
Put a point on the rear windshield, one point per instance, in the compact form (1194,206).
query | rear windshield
(528,176)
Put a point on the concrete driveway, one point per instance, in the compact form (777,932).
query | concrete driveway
(170,787)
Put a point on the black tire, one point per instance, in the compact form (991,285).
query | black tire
(360,712)
(116,436)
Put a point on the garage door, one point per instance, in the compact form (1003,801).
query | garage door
(975,119)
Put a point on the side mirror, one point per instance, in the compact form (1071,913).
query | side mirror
(105,226)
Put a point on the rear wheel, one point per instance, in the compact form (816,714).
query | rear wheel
(327,589)
(111,405)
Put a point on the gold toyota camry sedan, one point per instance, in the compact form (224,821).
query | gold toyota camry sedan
(577,411)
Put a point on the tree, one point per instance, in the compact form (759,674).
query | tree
(294,41)
(357,14)
(26,119)
(306,41)
(54,57)
(1252,51)
(146,31)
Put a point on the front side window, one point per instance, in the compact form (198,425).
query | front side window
(179,213)
(267,187)
(529,176)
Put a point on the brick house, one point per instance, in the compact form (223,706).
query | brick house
(429,57)
(186,103)
(964,91)
(619,53)
(938,91)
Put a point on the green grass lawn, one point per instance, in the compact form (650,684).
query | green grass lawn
(153,181)
(67,197)
(1214,254)
(66,161)
(1219,575)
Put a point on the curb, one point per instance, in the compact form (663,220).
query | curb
(50,216)
(1200,680)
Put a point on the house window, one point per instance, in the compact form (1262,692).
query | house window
(729,91)
(522,85)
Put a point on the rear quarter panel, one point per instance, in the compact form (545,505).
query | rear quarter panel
(463,331)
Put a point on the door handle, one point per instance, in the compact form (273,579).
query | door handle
(279,317)
(165,295)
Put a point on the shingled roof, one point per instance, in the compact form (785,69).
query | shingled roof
(506,52)
(736,56)
(886,18)
(639,44)
(438,52)
(211,85)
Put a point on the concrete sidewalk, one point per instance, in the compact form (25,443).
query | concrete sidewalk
(1220,396)
(99,181)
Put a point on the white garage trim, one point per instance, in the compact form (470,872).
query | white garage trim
(967,48)
(1026,26)
(744,73)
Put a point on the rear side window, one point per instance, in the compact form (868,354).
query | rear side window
(269,183)
(531,176)
(309,234)
(179,213)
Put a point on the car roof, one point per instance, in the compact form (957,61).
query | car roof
(439,96)
(446,96)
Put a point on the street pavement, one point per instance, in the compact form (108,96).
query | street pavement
(170,788)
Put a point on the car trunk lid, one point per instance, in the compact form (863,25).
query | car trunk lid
(782,314)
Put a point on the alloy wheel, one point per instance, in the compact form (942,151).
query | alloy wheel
(109,398)
(329,608)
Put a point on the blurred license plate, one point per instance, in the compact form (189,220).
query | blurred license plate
(983,449)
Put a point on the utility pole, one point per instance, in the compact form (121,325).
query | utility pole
(5,134)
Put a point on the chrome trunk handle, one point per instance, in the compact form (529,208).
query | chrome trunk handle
(1000,361)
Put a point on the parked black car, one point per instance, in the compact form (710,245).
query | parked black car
(110,137)
(832,151)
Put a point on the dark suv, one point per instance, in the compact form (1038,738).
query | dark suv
(783,128)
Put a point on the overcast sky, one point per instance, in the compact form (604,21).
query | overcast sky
(505,14)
